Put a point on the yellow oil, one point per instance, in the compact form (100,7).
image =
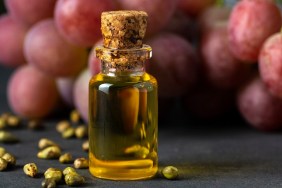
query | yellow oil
(123,131)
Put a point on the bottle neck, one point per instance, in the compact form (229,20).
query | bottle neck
(129,69)
(123,62)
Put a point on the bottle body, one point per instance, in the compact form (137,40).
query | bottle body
(123,126)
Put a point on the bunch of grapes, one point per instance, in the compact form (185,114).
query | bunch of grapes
(47,43)
(210,55)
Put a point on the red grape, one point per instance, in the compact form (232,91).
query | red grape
(31,93)
(251,23)
(261,109)
(81,93)
(11,39)
(159,11)
(79,21)
(29,12)
(270,64)
(48,51)
(174,64)
(221,68)
(194,8)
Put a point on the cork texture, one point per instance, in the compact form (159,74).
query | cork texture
(124,59)
(123,29)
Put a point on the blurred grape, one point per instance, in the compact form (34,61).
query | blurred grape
(29,12)
(159,11)
(32,94)
(250,24)
(80,92)
(270,64)
(221,68)
(11,39)
(174,64)
(79,21)
(45,49)
(65,88)
(261,109)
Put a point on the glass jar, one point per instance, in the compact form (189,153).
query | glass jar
(123,116)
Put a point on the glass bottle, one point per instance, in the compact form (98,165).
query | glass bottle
(123,115)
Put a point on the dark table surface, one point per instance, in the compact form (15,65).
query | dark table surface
(225,153)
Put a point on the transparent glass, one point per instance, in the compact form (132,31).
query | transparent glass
(123,121)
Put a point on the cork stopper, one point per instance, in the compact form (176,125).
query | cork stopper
(123,29)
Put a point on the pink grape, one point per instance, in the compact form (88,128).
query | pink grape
(259,108)
(174,64)
(194,8)
(65,88)
(11,39)
(270,64)
(250,24)
(31,93)
(79,20)
(80,92)
(159,11)
(221,68)
(29,12)
(45,49)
